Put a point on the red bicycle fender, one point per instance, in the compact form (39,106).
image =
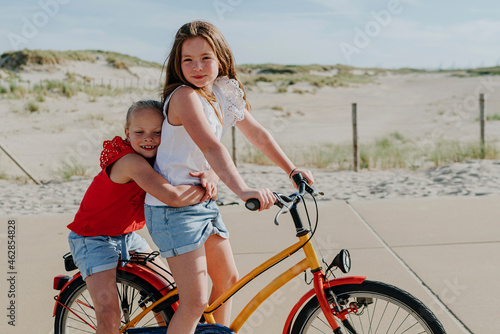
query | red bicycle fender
(149,276)
(63,289)
(310,293)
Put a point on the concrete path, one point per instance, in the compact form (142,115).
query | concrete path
(445,251)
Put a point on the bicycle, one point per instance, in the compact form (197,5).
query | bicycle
(349,305)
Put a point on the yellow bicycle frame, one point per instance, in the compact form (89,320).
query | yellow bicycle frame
(310,261)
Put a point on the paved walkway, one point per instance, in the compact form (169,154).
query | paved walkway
(443,250)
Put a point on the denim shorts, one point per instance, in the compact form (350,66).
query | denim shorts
(177,231)
(96,254)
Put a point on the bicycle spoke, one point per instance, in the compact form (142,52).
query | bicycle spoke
(319,330)
(402,322)
(80,330)
(87,314)
(393,318)
(369,319)
(84,312)
(327,325)
(382,317)
(361,325)
(406,330)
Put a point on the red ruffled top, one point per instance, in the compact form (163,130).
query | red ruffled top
(114,150)
(109,208)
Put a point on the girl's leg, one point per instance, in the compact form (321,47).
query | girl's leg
(102,289)
(190,274)
(223,273)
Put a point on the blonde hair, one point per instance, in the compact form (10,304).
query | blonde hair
(143,104)
(173,71)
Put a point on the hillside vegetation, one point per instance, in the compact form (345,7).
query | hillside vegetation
(277,78)
(18,60)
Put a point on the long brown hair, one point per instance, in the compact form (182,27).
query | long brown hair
(173,71)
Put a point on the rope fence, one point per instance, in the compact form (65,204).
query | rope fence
(9,85)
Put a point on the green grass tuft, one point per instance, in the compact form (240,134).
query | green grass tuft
(32,106)
(74,169)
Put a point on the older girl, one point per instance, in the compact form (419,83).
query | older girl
(202,96)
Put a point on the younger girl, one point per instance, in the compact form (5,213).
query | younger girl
(202,96)
(113,208)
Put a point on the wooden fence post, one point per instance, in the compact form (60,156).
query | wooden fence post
(482,121)
(355,137)
(19,165)
(233,132)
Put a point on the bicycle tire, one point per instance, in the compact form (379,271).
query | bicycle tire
(381,308)
(131,289)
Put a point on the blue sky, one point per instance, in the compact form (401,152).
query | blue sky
(387,33)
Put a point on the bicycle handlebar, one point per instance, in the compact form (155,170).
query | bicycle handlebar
(253,204)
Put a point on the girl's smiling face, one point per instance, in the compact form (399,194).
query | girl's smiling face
(144,131)
(199,63)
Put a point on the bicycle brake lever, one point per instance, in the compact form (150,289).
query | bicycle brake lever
(284,203)
(284,209)
(312,191)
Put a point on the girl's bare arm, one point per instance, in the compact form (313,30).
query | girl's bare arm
(133,167)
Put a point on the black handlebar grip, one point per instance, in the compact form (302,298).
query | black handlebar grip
(252,204)
(300,181)
(297,178)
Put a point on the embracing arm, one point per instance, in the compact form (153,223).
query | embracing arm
(133,167)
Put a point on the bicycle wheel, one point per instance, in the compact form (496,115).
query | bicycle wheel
(134,293)
(376,308)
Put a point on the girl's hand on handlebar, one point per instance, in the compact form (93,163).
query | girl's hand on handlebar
(265,196)
(305,174)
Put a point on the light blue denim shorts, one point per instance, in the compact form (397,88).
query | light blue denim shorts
(95,254)
(177,231)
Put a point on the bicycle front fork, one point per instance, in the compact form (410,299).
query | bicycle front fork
(319,280)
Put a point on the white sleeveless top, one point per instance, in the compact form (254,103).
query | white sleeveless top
(177,154)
